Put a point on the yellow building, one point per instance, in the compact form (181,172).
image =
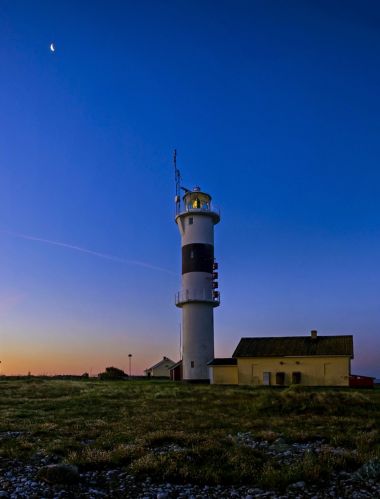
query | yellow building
(281,361)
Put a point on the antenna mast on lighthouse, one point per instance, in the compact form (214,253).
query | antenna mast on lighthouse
(177,177)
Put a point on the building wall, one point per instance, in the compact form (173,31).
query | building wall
(315,371)
(176,373)
(162,370)
(224,375)
(200,231)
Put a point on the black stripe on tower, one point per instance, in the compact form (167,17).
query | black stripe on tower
(197,257)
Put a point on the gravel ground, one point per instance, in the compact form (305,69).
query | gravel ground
(32,480)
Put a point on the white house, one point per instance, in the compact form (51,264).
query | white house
(161,368)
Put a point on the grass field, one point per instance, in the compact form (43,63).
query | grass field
(187,433)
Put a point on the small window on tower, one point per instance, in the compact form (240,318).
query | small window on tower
(192,363)
(191,220)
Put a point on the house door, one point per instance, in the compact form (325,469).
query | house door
(328,369)
(266,379)
(255,380)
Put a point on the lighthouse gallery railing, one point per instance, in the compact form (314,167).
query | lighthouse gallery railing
(197,295)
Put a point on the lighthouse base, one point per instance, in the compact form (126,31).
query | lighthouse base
(198,341)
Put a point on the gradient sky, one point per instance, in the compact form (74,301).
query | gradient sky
(274,108)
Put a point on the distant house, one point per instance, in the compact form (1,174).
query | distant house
(160,369)
(281,361)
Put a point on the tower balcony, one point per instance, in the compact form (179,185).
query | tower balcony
(210,211)
(197,296)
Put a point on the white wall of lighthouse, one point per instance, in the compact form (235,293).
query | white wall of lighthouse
(198,295)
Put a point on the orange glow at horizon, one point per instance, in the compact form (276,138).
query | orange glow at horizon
(53,360)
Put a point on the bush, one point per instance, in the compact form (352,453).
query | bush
(113,373)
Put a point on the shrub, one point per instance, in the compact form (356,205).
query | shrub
(113,373)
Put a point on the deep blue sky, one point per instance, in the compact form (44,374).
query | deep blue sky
(274,109)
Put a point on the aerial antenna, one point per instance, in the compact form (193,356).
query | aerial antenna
(177,177)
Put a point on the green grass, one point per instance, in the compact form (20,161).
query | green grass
(186,433)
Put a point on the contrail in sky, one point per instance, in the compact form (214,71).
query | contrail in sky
(88,251)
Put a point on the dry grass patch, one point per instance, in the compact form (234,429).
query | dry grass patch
(180,432)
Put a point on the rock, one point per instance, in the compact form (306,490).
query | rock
(96,493)
(369,470)
(3,494)
(58,473)
(298,485)
(255,491)
(279,445)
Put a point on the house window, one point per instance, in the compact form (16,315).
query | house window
(192,363)
(296,378)
(280,379)
(191,220)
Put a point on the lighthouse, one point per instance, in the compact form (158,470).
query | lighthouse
(199,295)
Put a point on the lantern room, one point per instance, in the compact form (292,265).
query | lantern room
(197,200)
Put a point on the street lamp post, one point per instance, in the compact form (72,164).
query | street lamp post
(130,363)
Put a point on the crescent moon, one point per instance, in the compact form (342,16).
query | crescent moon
(52,47)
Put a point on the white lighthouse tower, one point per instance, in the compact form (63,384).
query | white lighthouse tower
(196,217)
